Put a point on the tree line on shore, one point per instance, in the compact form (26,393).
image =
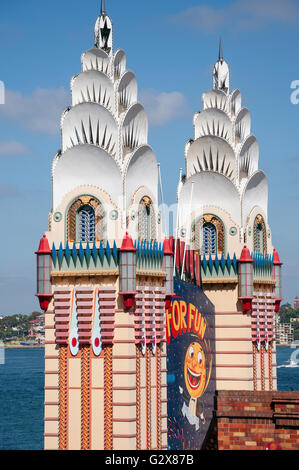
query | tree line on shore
(286,314)
(16,326)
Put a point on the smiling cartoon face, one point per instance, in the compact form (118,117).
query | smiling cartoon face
(195,370)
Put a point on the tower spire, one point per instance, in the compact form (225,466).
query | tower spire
(220,49)
(103,8)
(103,31)
(221,72)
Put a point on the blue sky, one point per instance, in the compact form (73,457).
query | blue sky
(171,46)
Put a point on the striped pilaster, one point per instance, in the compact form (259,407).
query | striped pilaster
(107,299)
(51,413)
(62,308)
(159,300)
(85,398)
(108,398)
(233,345)
(263,335)
(85,307)
(126,378)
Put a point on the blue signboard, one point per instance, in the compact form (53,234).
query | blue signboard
(190,331)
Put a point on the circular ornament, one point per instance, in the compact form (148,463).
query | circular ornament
(114,215)
(57,216)
(249,232)
(133,216)
(159,218)
(183,232)
(233,231)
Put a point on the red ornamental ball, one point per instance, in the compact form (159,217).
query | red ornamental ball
(97,342)
(74,342)
(273,446)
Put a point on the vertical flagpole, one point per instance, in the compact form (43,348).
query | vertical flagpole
(177,227)
(188,230)
(162,201)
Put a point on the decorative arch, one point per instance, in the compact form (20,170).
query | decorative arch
(259,235)
(146,220)
(85,220)
(212,229)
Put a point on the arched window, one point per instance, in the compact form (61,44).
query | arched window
(86,224)
(85,221)
(259,235)
(146,220)
(209,239)
(208,235)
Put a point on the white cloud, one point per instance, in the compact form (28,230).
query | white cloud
(39,111)
(163,107)
(12,147)
(240,16)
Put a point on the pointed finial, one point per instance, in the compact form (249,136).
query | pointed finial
(220,49)
(103,8)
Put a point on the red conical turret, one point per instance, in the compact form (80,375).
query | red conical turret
(44,267)
(277,278)
(128,271)
(245,256)
(44,246)
(246,279)
(168,268)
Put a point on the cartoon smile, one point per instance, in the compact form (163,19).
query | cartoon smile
(193,378)
(195,370)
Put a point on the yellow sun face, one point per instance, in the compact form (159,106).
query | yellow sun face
(195,370)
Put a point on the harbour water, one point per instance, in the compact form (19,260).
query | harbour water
(21,399)
(22,395)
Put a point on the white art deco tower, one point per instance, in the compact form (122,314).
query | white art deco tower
(103,296)
(223,205)
(105,177)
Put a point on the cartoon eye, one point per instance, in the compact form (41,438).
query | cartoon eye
(191,351)
(199,358)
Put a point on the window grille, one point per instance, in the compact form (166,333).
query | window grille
(259,239)
(146,220)
(86,224)
(209,239)
(259,235)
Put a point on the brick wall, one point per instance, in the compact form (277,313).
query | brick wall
(251,420)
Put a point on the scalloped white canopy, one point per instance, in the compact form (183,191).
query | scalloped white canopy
(142,171)
(236,102)
(120,63)
(213,122)
(90,123)
(128,89)
(86,165)
(95,59)
(249,155)
(93,86)
(210,189)
(243,124)
(215,99)
(255,194)
(135,127)
(211,153)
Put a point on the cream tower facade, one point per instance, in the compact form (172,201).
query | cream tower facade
(105,297)
(105,352)
(223,205)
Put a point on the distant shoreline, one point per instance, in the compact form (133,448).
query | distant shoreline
(22,346)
